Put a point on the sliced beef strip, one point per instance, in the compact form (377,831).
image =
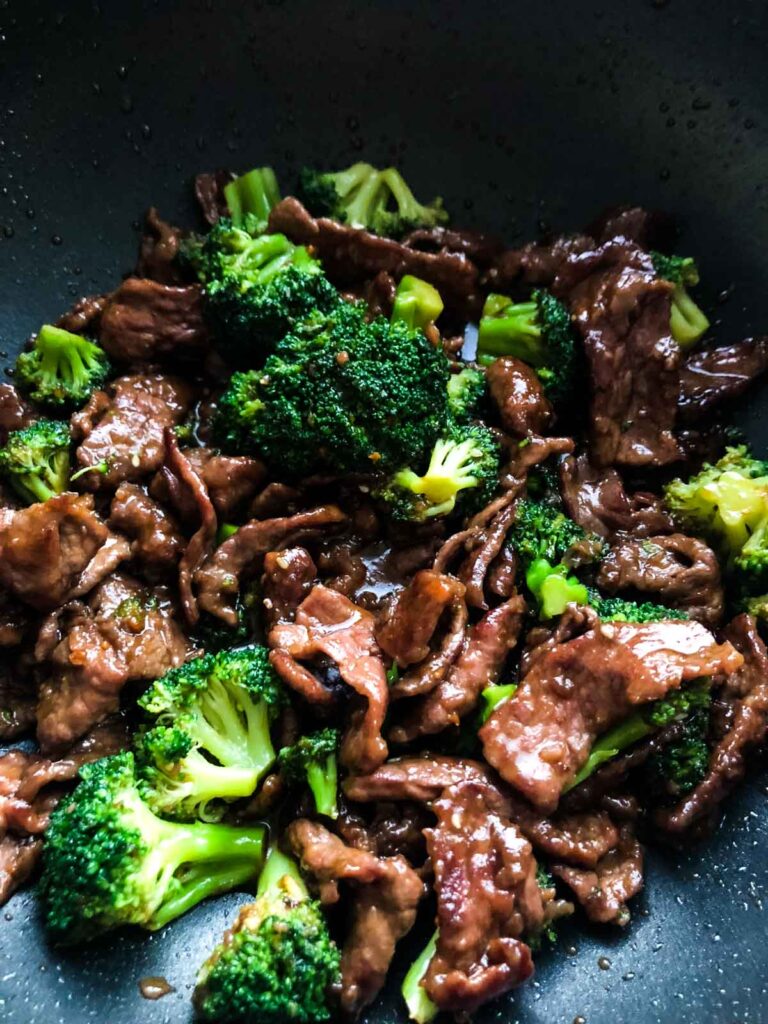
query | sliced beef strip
(425,676)
(18,859)
(350,255)
(110,555)
(674,570)
(481,248)
(622,311)
(597,500)
(45,548)
(604,891)
(218,579)
(14,620)
(487,898)
(124,632)
(386,893)
(748,729)
(15,411)
(156,540)
(146,321)
(124,427)
(537,263)
(408,625)
(288,577)
(327,623)
(714,375)
(473,571)
(519,398)
(540,738)
(159,249)
(231,482)
(83,317)
(479,664)
(209,192)
(18,697)
(650,229)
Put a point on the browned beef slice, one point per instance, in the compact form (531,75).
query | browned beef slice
(15,413)
(716,374)
(604,891)
(145,321)
(748,728)
(425,676)
(674,570)
(488,544)
(478,665)
(597,501)
(83,317)
(156,541)
(407,626)
(18,859)
(540,738)
(288,577)
(650,229)
(14,619)
(350,255)
(481,248)
(535,263)
(230,480)
(209,192)
(124,632)
(242,555)
(385,897)
(517,393)
(487,898)
(327,623)
(44,548)
(124,428)
(18,697)
(159,249)
(622,310)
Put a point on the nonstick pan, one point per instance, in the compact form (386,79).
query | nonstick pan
(526,117)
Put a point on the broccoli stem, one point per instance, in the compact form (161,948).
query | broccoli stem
(687,322)
(323,783)
(255,193)
(281,873)
(612,743)
(222,733)
(366,194)
(201,883)
(492,696)
(553,588)
(417,303)
(420,1007)
(510,329)
(219,782)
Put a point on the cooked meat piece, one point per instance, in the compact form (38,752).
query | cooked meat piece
(112,553)
(124,427)
(351,254)
(231,481)
(716,374)
(156,541)
(487,898)
(386,895)
(14,619)
(145,321)
(379,294)
(535,263)
(616,878)
(242,555)
(675,570)
(399,828)
(489,542)
(503,573)
(288,577)
(124,632)
(422,778)
(83,317)
(328,623)
(597,501)
(747,731)
(622,310)
(44,548)
(340,566)
(517,393)
(18,859)
(300,679)
(482,249)
(18,697)
(276,500)
(425,676)
(650,229)
(158,250)
(540,738)
(535,451)
(478,665)
(209,192)
(409,624)
(15,412)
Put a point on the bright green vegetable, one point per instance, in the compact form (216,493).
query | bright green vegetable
(492,696)
(35,460)
(616,609)
(311,761)
(466,390)
(421,1009)
(417,303)
(250,197)
(554,588)
(687,322)
(62,369)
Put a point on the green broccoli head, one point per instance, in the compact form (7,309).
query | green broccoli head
(250,198)
(462,474)
(466,391)
(257,287)
(62,369)
(728,504)
(341,393)
(365,197)
(35,460)
(553,587)
(208,739)
(109,861)
(616,609)
(278,964)
(542,530)
(311,761)
(687,322)
(538,332)
(417,303)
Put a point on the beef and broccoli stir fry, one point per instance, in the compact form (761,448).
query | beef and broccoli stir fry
(365,565)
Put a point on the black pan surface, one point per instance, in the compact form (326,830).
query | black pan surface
(524,116)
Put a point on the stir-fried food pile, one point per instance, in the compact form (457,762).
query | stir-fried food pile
(397,578)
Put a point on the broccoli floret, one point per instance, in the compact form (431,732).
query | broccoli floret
(687,322)
(312,761)
(421,1009)
(417,303)
(681,765)
(553,587)
(35,460)
(466,391)
(257,287)
(541,530)
(340,393)
(109,861)
(250,198)
(278,964)
(212,634)
(208,739)
(539,332)
(365,197)
(728,504)
(62,369)
(616,609)
(463,469)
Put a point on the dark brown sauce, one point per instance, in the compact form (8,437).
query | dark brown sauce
(155,987)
